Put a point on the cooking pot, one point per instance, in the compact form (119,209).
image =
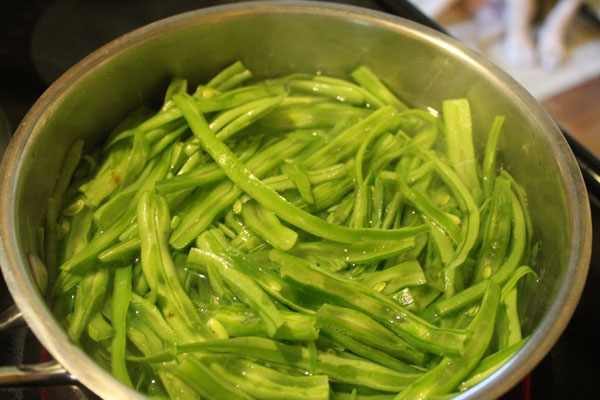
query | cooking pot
(274,38)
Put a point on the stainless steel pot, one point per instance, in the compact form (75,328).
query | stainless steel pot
(274,38)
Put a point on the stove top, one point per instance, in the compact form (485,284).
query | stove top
(40,39)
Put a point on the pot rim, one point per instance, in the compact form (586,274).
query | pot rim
(52,336)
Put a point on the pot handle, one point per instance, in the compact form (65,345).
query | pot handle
(11,318)
(44,374)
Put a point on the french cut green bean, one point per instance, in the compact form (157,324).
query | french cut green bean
(301,237)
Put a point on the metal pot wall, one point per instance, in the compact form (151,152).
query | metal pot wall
(274,38)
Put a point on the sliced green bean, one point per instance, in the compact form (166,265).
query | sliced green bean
(335,254)
(408,273)
(159,269)
(269,384)
(104,239)
(459,139)
(209,384)
(88,299)
(496,236)
(265,223)
(249,183)
(297,173)
(491,364)
(242,321)
(368,80)
(244,287)
(447,375)
(120,302)
(365,330)
(490,156)
(347,293)
(350,370)
(55,203)
(345,93)
(474,292)
(203,213)
(226,74)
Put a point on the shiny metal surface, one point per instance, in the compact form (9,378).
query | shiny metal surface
(274,38)
(10,319)
(4,133)
(45,374)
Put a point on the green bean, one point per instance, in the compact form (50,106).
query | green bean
(159,269)
(323,251)
(297,173)
(249,183)
(204,174)
(55,203)
(176,386)
(166,140)
(120,303)
(351,370)
(466,202)
(424,205)
(305,116)
(408,273)
(491,364)
(235,80)
(368,80)
(354,396)
(149,314)
(270,384)
(206,382)
(244,288)
(474,292)
(231,121)
(79,234)
(121,252)
(102,240)
(489,159)
(340,254)
(203,213)
(352,294)
(242,321)
(177,85)
(226,74)
(98,329)
(365,330)
(364,351)
(345,93)
(511,283)
(265,224)
(108,213)
(450,371)
(88,298)
(497,232)
(349,140)
(274,285)
(230,99)
(459,139)
(509,326)
(370,99)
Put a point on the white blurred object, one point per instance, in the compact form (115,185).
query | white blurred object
(514,18)
(482,29)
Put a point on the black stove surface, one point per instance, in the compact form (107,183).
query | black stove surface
(40,39)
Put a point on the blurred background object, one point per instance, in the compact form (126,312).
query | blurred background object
(569,87)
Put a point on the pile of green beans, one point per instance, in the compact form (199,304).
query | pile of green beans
(304,237)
